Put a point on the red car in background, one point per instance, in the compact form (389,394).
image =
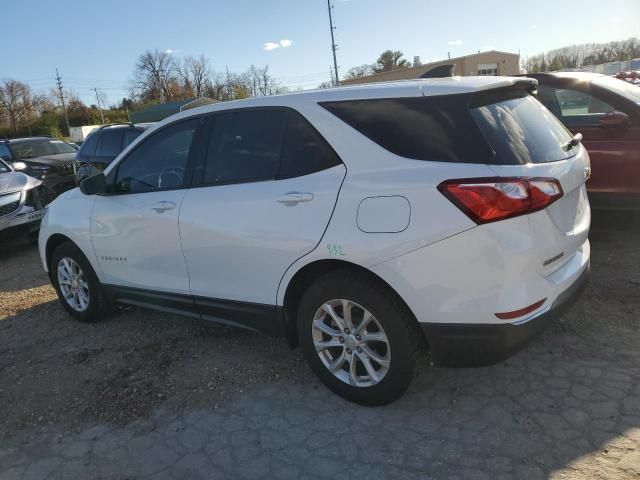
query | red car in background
(606,111)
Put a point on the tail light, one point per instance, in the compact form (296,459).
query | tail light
(487,200)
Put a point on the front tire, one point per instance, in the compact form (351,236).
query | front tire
(76,284)
(358,337)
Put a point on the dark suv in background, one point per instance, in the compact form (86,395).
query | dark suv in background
(47,159)
(105,144)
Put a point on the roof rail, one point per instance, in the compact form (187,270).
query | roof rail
(116,124)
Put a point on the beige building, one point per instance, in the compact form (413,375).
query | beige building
(481,63)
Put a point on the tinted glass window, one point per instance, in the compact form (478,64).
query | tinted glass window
(129,136)
(5,152)
(3,167)
(424,128)
(110,144)
(244,146)
(88,147)
(521,130)
(304,150)
(40,148)
(159,162)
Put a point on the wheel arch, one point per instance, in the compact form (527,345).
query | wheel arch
(309,273)
(53,242)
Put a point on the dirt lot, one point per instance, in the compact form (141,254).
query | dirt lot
(148,395)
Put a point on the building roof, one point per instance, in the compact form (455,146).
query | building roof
(417,72)
(155,113)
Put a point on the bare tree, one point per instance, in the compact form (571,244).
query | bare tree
(195,73)
(16,102)
(360,71)
(155,76)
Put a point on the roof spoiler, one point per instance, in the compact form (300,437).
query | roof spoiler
(441,71)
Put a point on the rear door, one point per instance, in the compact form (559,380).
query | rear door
(529,141)
(266,193)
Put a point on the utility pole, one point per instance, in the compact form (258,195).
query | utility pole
(99,107)
(64,107)
(333,43)
(161,78)
(228,84)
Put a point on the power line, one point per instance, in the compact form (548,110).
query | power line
(64,108)
(333,43)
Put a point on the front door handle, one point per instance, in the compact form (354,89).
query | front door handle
(163,206)
(293,198)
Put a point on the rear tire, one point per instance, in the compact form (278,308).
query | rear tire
(370,359)
(76,284)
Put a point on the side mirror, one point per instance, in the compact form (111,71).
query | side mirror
(614,119)
(19,166)
(94,185)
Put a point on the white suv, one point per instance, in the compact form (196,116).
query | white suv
(361,223)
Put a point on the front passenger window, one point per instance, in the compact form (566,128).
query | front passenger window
(159,162)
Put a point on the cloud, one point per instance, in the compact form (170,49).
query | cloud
(282,43)
(615,20)
(455,42)
(170,51)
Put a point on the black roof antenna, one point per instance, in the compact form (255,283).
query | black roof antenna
(441,71)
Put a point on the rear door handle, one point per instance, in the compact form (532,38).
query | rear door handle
(163,206)
(293,198)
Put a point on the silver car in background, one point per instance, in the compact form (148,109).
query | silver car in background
(21,208)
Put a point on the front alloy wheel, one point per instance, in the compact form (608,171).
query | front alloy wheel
(73,284)
(76,284)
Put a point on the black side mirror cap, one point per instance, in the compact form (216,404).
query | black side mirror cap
(94,185)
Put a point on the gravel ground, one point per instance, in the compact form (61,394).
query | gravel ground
(148,395)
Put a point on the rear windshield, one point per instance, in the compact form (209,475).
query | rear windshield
(506,127)
(521,130)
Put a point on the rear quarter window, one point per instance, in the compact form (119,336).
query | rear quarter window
(437,128)
(500,127)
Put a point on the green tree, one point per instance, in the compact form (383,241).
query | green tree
(390,60)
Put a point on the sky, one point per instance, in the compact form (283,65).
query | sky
(94,44)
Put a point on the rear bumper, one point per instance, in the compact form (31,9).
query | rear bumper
(476,345)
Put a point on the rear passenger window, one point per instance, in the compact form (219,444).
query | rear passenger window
(438,128)
(304,150)
(245,146)
(130,136)
(110,144)
(88,147)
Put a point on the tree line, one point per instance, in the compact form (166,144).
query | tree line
(576,56)
(158,77)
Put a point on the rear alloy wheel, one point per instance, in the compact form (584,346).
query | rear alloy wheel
(358,337)
(351,343)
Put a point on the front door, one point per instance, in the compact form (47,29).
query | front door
(135,228)
(268,188)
